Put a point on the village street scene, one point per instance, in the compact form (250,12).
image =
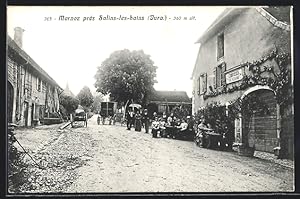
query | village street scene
(150,100)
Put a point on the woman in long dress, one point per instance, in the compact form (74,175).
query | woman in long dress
(138,121)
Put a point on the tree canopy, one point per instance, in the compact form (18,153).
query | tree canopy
(69,103)
(85,97)
(98,98)
(126,75)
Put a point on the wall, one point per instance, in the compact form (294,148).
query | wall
(38,96)
(247,38)
(287,132)
(11,77)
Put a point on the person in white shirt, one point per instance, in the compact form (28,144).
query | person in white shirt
(170,120)
(162,127)
(181,128)
(155,127)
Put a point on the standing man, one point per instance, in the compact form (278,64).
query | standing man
(202,128)
(145,118)
(130,116)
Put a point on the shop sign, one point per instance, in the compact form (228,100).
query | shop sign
(234,76)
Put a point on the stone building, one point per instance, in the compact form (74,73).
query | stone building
(245,52)
(31,93)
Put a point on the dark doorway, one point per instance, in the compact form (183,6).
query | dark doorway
(10,101)
(26,113)
(32,113)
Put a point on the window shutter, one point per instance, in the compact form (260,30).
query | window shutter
(204,88)
(37,83)
(223,79)
(215,77)
(199,85)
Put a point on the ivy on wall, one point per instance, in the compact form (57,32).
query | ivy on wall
(280,81)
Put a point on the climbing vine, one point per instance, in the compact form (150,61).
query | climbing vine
(280,81)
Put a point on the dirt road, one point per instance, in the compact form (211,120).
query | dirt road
(104,158)
(130,161)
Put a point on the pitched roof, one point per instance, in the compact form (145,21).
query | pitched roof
(278,16)
(12,44)
(220,22)
(280,13)
(170,96)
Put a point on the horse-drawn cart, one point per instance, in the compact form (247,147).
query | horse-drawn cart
(79,116)
(108,112)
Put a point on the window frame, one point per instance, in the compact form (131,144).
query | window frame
(220,78)
(203,83)
(38,84)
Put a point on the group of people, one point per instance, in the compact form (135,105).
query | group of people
(138,120)
(165,126)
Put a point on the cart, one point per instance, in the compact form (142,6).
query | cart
(79,116)
(108,112)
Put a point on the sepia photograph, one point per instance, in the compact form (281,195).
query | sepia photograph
(150,99)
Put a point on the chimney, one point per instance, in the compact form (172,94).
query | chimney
(18,37)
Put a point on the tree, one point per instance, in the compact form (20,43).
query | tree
(85,97)
(126,75)
(98,98)
(69,103)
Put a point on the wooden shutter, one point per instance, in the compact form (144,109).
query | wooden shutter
(199,85)
(37,83)
(215,77)
(204,83)
(223,79)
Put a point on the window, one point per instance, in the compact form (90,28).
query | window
(198,84)
(220,46)
(162,108)
(38,84)
(203,80)
(202,83)
(219,73)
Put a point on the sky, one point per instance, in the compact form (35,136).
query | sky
(70,51)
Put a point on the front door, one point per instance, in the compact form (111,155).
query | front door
(263,125)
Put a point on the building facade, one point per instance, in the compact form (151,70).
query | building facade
(167,101)
(31,93)
(247,52)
